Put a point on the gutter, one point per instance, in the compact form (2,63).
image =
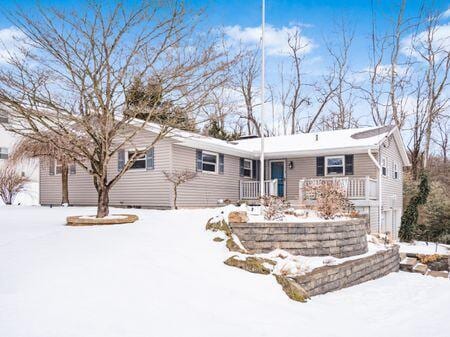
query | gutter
(378,166)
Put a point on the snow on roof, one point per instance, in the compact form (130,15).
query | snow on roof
(325,142)
(318,141)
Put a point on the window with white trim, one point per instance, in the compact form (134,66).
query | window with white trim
(210,162)
(395,173)
(248,168)
(383,166)
(58,167)
(140,162)
(335,166)
(3,153)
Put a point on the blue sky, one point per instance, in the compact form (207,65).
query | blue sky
(319,17)
(241,19)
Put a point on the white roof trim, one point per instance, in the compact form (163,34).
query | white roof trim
(395,132)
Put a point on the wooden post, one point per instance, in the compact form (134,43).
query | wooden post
(367,188)
(301,194)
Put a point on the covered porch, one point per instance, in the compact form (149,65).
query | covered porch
(356,188)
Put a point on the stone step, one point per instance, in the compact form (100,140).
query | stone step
(434,273)
(420,268)
(407,264)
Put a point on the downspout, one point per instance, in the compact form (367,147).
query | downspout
(377,164)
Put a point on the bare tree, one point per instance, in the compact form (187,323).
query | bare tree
(71,80)
(294,97)
(389,75)
(340,82)
(29,148)
(434,52)
(11,182)
(441,139)
(417,129)
(246,73)
(177,178)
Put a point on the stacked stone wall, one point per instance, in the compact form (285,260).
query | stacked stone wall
(330,278)
(340,238)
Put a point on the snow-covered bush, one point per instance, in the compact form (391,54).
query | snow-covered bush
(331,200)
(273,207)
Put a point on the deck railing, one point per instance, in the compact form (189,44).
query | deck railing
(354,187)
(250,189)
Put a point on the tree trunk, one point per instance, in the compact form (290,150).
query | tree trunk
(175,197)
(65,183)
(293,124)
(103,201)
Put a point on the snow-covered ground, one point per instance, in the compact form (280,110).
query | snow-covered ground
(164,276)
(420,247)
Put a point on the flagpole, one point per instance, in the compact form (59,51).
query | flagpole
(263,17)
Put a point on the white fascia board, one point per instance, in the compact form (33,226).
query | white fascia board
(322,152)
(395,132)
(207,146)
(228,149)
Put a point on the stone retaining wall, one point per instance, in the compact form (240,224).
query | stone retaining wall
(341,238)
(350,273)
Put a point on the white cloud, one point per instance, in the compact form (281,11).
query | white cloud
(441,41)
(276,39)
(11,41)
(446,14)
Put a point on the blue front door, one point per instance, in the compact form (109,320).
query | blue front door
(277,172)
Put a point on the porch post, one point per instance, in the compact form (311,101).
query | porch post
(367,188)
(301,186)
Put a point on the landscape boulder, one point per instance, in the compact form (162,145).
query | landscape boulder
(252,264)
(293,290)
(238,217)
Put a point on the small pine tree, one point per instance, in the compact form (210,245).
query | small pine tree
(411,214)
(216,131)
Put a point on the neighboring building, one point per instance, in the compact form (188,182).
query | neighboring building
(358,158)
(29,168)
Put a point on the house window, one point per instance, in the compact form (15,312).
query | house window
(3,153)
(58,167)
(395,171)
(248,168)
(383,166)
(334,166)
(209,162)
(140,161)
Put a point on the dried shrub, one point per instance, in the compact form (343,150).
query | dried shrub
(11,183)
(178,178)
(274,207)
(331,199)
(425,259)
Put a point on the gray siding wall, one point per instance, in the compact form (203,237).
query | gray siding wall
(392,189)
(206,188)
(136,187)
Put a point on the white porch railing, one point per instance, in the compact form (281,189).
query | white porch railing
(354,187)
(250,189)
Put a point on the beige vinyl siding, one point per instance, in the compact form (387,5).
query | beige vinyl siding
(392,189)
(306,168)
(206,188)
(373,218)
(147,188)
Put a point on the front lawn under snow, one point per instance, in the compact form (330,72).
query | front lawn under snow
(165,276)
